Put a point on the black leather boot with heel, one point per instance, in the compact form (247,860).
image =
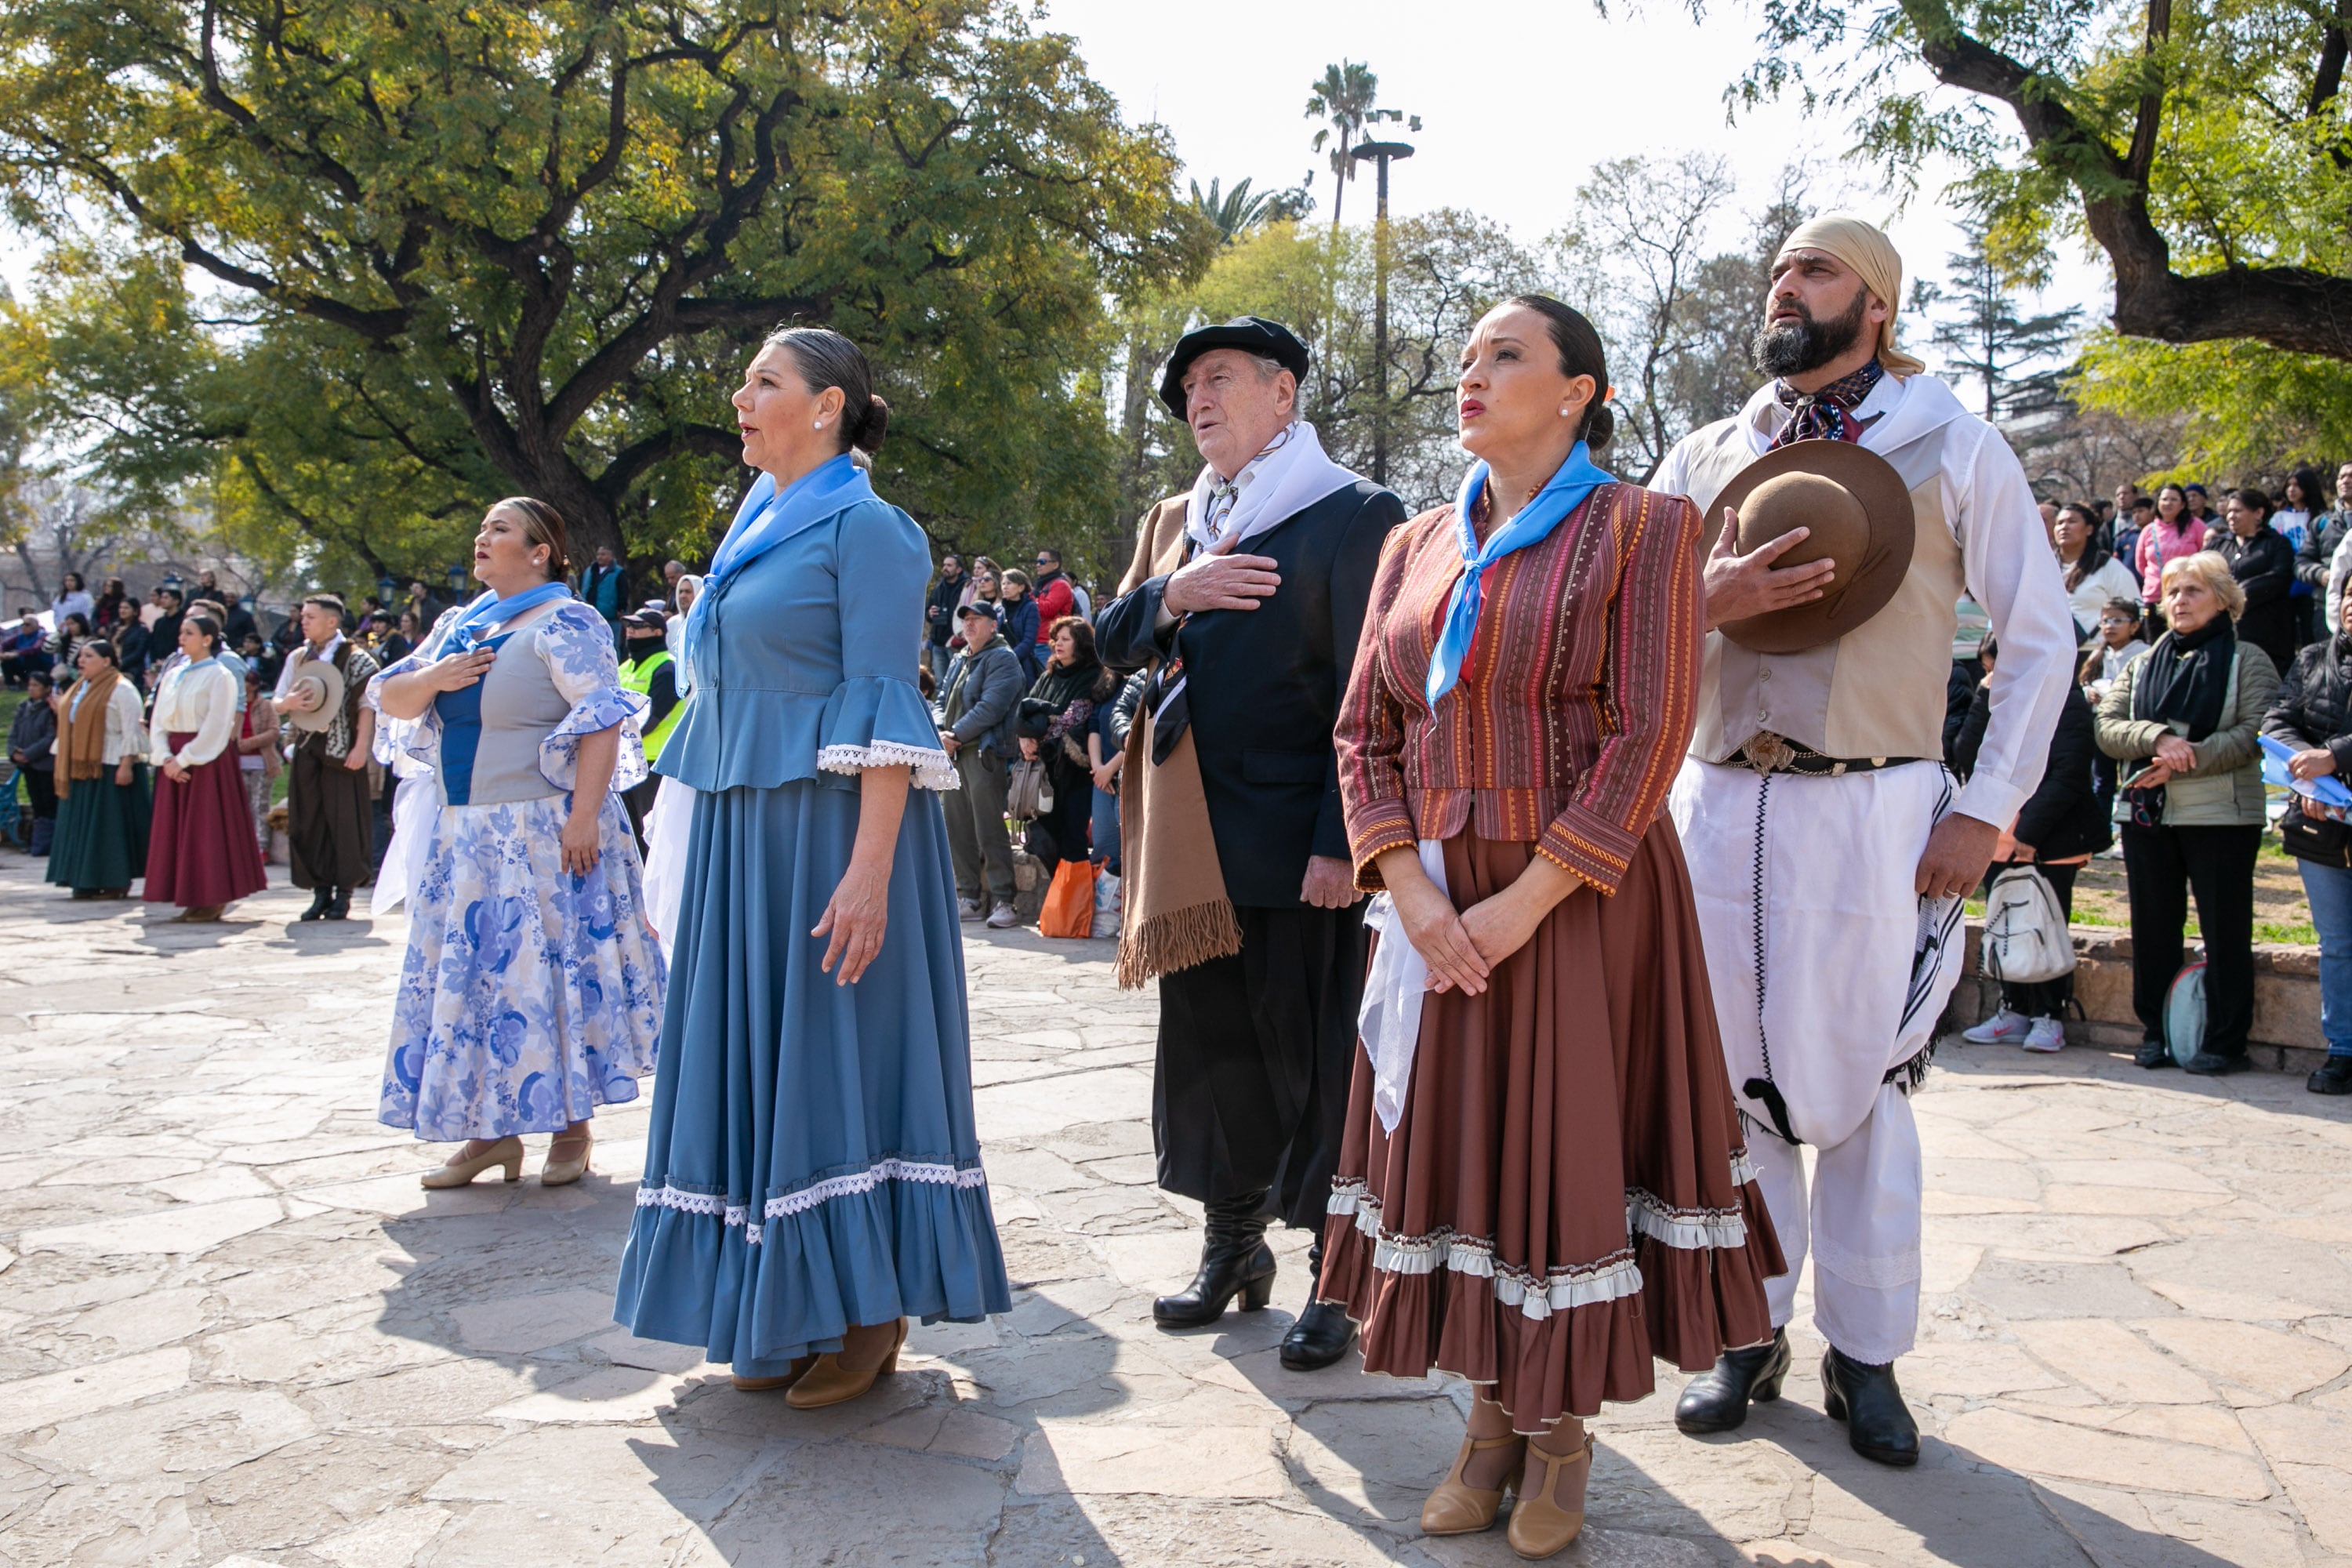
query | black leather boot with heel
(1718,1400)
(1320,1335)
(1234,1261)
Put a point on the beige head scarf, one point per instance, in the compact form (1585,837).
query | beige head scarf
(1862,246)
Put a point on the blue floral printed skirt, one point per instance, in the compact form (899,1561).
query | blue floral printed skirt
(530,997)
(811,1162)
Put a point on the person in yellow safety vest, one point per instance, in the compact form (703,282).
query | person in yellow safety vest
(649,670)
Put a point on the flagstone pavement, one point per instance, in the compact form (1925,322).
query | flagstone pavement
(235,1332)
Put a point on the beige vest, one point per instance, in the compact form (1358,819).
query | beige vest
(1879,690)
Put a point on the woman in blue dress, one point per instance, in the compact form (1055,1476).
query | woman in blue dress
(813,1177)
(532,993)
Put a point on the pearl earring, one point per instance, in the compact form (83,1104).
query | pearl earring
(818,426)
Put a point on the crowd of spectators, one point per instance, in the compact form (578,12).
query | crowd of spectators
(2202,632)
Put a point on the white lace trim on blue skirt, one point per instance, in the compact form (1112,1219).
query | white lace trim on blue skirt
(856,1181)
(932,770)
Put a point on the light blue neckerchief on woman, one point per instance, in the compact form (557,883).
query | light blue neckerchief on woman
(1578,478)
(489,610)
(765,519)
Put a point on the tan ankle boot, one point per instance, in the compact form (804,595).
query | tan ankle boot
(791,1374)
(1539,1525)
(1457,1508)
(868,1351)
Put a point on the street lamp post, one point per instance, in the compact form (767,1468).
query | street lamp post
(1382,153)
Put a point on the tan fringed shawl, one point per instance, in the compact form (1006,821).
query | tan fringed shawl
(81,744)
(1177,912)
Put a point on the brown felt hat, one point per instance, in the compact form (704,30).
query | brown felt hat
(1861,516)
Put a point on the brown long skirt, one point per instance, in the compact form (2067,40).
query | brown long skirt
(1567,1193)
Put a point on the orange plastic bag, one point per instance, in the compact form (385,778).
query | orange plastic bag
(1069,901)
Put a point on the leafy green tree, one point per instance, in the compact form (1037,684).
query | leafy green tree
(2201,144)
(454,249)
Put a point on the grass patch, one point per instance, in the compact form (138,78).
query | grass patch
(2282,930)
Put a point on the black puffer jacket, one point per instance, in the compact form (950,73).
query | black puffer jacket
(2314,702)
(2064,817)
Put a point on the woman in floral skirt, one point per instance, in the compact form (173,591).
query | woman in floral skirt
(532,990)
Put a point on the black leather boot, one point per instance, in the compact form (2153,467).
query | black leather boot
(2214,1064)
(1234,1261)
(2333,1075)
(339,908)
(1716,1401)
(1320,1335)
(320,898)
(1877,1423)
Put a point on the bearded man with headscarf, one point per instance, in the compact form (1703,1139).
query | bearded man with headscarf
(1829,849)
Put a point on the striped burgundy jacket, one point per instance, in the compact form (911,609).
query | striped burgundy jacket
(1574,708)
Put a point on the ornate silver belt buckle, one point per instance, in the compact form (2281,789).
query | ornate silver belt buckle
(1768,753)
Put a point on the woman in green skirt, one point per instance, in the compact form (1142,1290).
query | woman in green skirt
(104,802)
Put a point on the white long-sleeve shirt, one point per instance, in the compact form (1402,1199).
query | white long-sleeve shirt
(198,698)
(2004,561)
(125,733)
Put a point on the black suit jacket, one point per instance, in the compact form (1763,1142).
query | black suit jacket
(1266,685)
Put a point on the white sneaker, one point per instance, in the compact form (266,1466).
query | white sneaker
(2002,1028)
(1001,918)
(2047,1035)
(969,909)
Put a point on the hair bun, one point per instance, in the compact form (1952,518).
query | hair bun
(874,426)
(1600,425)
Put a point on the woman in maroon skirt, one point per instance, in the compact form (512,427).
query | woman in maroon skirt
(200,854)
(1543,1183)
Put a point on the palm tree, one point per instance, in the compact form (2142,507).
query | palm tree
(1235,212)
(1345,97)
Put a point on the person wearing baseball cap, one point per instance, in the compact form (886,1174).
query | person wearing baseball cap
(1829,849)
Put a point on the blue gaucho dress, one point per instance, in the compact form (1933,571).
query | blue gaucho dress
(812,1161)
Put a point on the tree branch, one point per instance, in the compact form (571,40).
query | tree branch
(2292,307)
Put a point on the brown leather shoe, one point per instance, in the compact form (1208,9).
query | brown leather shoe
(1539,1525)
(1457,1508)
(868,1351)
(791,1374)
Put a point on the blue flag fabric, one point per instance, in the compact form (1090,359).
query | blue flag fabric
(1566,490)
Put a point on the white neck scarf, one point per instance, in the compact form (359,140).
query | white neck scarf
(1291,475)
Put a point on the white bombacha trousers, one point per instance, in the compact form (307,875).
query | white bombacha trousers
(1827,973)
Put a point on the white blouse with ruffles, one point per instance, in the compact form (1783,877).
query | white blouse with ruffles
(201,698)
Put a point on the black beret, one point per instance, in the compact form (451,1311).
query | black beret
(1251,334)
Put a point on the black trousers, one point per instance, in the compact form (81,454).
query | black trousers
(329,820)
(41,789)
(2043,998)
(1250,1090)
(2166,865)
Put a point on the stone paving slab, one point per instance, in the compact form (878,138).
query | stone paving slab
(233,1332)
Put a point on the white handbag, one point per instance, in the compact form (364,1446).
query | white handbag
(2025,936)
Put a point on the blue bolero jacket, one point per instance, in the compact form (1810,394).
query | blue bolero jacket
(805,667)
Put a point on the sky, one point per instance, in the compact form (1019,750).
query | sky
(1517,104)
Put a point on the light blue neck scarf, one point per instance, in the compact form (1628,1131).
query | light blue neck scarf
(766,519)
(1578,478)
(489,610)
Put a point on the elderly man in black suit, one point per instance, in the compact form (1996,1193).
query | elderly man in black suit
(1245,600)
